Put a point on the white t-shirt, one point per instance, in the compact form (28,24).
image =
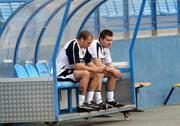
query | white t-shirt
(71,54)
(97,51)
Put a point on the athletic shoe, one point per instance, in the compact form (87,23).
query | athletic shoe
(115,104)
(84,108)
(95,106)
(104,106)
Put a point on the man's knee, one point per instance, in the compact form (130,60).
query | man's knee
(110,76)
(85,73)
(97,75)
(100,75)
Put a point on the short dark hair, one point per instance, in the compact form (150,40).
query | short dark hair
(84,35)
(104,33)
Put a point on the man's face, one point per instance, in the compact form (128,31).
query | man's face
(106,42)
(87,42)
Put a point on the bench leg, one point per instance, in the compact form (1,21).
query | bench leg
(59,99)
(136,109)
(70,109)
(77,98)
(137,91)
(169,95)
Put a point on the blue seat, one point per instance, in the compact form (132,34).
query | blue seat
(162,7)
(49,67)
(119,7)
(1,15)
(132,11)
(42,70)
(7,8)
(67,84)
(172,6)
(31,70)
(136,4)
(103,10)
(112,12)
(21,71)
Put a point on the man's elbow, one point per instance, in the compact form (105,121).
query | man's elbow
(78,66)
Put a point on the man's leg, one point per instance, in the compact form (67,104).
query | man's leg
(110,92)
(92,86)
(98,95)
(83,77)
(110,88)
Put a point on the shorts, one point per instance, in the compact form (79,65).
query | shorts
(67,75)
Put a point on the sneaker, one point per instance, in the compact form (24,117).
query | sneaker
(94,106)
(84,108)
(115,104)
(104,106)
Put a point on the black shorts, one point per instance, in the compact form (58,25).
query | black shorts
(67,75)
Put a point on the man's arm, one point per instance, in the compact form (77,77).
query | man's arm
(110,68)
(97,62)
(89,67)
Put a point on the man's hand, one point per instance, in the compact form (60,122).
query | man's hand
(116,73)
(100,69)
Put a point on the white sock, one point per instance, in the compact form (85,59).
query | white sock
(81,99)
(110,96)
(89,96)
(98,97)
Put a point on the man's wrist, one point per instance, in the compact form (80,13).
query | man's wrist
(106,68)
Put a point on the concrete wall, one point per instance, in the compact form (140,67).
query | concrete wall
(156,60)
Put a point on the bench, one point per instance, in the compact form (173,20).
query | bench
(42,70)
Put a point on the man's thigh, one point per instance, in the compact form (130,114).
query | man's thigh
(78,74)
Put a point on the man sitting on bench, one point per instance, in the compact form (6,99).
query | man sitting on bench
(101,55)
(74,64)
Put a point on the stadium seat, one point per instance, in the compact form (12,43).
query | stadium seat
(67,85)
(48,65)
(7,8)
(137,6)
(21,71)
(31,70)
(1,15)
(119,7)
(162,7)
(103,11)
(111,9)
(132,11)
(172,6)
(42,70)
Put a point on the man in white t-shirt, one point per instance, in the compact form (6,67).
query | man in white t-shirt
(101,55)
(74,64)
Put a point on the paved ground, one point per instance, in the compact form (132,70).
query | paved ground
(163,116)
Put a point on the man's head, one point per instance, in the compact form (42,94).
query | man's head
(85,38)
(106,37)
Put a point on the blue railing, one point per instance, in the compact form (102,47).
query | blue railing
(166,14)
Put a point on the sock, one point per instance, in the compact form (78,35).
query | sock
(81,99)
(89,96)
(110,96)
(98,97)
